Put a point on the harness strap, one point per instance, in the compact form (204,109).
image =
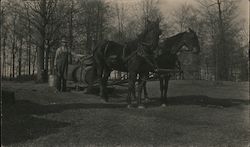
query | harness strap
(140,52)
(129,57)
(134,52)
(124,51)
(106,49)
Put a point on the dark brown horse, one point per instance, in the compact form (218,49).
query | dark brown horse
(135,57)
(166,57)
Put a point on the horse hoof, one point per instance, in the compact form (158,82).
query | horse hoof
(129,106)
(141,107)
(163,105)
(104,101)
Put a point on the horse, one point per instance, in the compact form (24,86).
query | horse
(133,57)
(167,58)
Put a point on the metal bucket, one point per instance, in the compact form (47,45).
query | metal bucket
(52,80)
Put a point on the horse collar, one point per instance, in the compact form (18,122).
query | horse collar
(145,44)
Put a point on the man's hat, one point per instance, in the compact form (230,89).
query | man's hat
(64,40)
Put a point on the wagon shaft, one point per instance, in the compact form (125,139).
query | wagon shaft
(162,71)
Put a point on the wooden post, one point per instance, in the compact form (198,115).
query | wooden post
(0,48)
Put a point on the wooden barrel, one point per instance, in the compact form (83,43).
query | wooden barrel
(85,74)
(89,75)
(72,72)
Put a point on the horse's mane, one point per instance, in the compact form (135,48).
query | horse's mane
(142,35)
(168,42)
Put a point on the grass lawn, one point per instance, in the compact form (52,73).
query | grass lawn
(198,114)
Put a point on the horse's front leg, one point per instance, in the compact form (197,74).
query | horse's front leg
(166,79)
(100,79)
(131,87)
(161,88)
(144,88)
(140,86)
(104,84)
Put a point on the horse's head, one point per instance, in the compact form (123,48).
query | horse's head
(154,26)
(191,41)
(151,33)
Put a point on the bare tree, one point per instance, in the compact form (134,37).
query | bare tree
(94,21)
(220,19)
(46,21)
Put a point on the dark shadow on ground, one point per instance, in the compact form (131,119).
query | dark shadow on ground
(19,121)
(198,100)
(19,124)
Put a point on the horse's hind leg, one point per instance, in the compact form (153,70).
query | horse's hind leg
(64,87)
(145,92)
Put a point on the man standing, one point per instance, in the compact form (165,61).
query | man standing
(61,66)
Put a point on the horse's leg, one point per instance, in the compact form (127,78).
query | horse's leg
(145,92)
(60,84)
(166,79)
(144,88)
(140,86)
(63,84)
(131,87)
(161,88)
(133,90)
(104,82)
(57,83)
(100,79)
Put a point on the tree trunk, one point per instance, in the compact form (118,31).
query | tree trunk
(34,61)
(13,47)
(41,49)
(4,56)
(40,64)
(52,56)
(222,67)
(46,70)
(1,47)
(13,58)
(71,31)
(88,42)
(20,58)
(29,45)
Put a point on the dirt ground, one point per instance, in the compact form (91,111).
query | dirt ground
(199,113)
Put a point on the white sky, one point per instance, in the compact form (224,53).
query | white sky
(167,6)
